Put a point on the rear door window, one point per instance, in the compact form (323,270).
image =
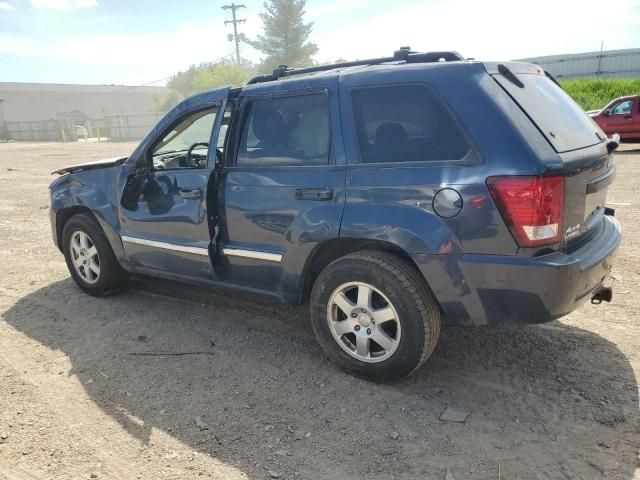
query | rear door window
(561,120)
(286,131)
(405,123)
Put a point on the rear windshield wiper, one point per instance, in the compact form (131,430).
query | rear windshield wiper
(552,78)
(509,75)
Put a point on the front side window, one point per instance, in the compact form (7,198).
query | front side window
(285,131)
(623,108)
(186,145)
(405,123)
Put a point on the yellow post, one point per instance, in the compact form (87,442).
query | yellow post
(98,132)
(64,136)
(86,134)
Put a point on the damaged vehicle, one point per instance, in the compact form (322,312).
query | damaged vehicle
(390,194)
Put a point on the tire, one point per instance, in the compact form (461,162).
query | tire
(395,283)
(110,277)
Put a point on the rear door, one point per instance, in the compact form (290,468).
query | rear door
(282,189)
(578,140)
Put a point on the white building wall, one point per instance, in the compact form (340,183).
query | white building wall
(611,63)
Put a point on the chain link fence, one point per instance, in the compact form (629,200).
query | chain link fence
(118,127)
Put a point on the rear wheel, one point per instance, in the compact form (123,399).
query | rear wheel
(89,257)
(374,315)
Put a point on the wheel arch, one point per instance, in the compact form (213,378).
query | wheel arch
(65,214)
(330,250)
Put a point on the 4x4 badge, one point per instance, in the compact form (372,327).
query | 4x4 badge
(572,231)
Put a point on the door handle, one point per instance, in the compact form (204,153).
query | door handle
(190,193)
(321,194)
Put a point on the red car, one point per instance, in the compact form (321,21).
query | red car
(621,116)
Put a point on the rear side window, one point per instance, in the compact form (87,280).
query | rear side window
(565,125)
(405,123)
(285,131)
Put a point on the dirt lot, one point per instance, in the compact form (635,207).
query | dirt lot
(546,402)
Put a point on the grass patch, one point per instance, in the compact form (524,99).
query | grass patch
(595,93)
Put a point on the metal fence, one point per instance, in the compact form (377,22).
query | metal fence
(44,130)
(119,127)
(130,127)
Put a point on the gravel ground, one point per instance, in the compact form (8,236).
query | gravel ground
(553,401)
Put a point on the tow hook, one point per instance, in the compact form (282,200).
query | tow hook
(603,294)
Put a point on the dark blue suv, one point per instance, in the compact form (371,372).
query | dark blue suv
(391,194)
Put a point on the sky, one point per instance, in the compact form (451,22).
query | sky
(134,42)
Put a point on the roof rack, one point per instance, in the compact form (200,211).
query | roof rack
(404,54)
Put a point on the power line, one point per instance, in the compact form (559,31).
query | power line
(236,37)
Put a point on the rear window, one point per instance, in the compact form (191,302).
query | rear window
(565,125)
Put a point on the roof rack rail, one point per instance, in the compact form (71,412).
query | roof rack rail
(404,54)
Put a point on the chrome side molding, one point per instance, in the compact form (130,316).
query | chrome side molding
(232,252)
(238,252)
(166,246)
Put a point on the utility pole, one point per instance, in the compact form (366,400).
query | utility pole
(600,59)
(233,7)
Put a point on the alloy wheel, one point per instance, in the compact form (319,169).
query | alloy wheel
(363,322)
(84,256)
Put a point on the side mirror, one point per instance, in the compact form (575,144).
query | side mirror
(613,142)
(607,113)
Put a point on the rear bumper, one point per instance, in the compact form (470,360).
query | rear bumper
(498,289)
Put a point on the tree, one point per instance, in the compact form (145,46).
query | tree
(285,38)
(219,75)
(200,78)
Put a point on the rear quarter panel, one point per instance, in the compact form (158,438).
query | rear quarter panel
(393,201)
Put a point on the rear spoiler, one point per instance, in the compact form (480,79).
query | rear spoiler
(493,68)
(510,69)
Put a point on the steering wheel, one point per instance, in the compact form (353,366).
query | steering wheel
(190,161)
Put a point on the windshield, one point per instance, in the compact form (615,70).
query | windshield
(193,129)
(565,125)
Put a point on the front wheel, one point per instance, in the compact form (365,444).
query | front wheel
(89,257)
(374,315)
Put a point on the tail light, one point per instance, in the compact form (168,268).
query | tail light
(531,207)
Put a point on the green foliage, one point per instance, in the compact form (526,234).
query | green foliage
(285,37)
(164,102)
(220,74)
(596,93)
(200,78)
